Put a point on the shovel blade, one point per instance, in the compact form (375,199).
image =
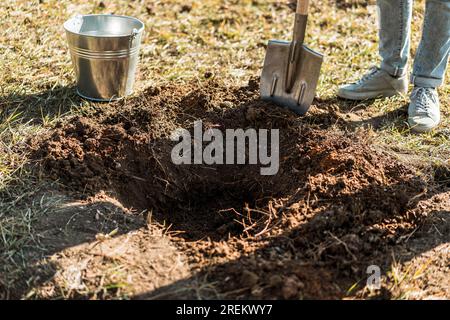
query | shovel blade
(273,77)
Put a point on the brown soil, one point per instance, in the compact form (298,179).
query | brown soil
(336,206)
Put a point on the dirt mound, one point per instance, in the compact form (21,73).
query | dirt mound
(336,206)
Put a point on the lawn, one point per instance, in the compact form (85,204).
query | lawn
(187,46)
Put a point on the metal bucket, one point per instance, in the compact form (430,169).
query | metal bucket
(105,53)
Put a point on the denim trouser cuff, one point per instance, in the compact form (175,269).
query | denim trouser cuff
(393,71)
(426,82)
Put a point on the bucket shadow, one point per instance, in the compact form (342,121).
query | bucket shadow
(37,107)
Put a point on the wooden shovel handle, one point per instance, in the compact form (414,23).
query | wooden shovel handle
(302,7)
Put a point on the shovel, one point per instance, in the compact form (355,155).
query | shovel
(291,69)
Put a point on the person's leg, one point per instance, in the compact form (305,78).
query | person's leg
(395,29)
(429,67)
(394,32)
(433,52)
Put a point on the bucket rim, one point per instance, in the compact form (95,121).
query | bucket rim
(106,35)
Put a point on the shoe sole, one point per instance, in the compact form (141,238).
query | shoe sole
(366,96)
(421,129)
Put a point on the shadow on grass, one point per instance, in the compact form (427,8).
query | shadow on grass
(38,107)
(71,223)
(340,4)
(351,115)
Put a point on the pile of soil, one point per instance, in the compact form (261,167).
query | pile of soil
(336,206)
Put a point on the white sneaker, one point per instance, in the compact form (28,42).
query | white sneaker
(376,83)
(423,111)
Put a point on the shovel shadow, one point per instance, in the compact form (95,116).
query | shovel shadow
(353,115)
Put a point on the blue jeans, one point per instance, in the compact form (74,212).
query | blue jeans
(432,55)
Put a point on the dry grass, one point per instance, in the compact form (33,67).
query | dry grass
(184,40)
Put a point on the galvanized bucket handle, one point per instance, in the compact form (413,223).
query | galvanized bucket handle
(133,36)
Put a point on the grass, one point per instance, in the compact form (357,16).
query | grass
(17,236)
(184,41)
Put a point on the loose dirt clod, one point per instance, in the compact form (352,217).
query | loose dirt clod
(336,206)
